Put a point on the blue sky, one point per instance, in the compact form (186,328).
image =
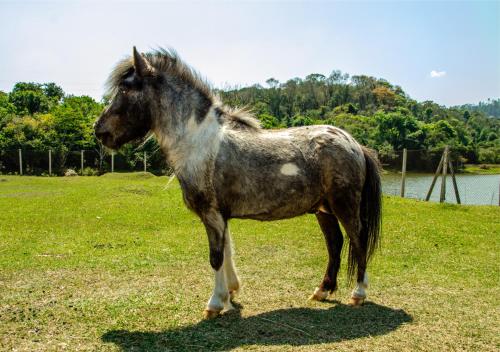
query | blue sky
(76,43)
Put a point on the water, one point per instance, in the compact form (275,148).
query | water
(473,189)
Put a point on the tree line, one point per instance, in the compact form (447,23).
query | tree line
(378,114)
(41,117)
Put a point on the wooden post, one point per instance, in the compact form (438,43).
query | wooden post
(403,174)
(50,162)
(442,197)
(20,162)
(455,187)
(112,161)
(145,160)
(81,162)
(438,171)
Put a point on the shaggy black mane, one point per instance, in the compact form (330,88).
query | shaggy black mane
(168,61)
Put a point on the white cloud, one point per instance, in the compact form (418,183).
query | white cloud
(437,74)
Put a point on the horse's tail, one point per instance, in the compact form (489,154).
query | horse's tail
(370,210)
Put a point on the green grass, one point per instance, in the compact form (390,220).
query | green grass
(483,169)
(117,263)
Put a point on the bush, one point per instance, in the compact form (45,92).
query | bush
(301,121)
(489,155)
(88,171)
(268,121)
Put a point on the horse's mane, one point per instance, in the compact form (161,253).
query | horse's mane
(168,61)
(163,60)
(240,118)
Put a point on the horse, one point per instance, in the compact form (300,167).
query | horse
(229,167)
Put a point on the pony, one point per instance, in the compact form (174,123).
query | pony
(229,167)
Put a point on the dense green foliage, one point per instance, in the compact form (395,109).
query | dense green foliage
(41,117)
(378,114)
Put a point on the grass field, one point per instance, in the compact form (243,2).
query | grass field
(484,169)
(116,263)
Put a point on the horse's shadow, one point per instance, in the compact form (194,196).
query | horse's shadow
(293,326)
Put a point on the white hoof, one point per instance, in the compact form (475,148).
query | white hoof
(356,301)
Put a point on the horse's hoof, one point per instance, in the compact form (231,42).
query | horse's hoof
(210,314)
(229,311)
(356,301)
(319,295)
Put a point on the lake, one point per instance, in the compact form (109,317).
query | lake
(473,189)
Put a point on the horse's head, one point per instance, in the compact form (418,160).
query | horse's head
(129,115)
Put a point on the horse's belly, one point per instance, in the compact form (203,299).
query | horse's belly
(280,204)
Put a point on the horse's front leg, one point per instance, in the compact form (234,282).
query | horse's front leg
(233,282)
(216,227)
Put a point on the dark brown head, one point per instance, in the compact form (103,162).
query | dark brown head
(129,115)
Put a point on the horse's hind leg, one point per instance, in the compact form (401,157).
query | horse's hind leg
(347,210)
(334,242)
(357,260)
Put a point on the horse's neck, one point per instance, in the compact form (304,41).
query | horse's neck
(191,147)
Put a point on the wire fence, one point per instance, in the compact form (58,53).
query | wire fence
(81,162)
(410,179)
(420,171)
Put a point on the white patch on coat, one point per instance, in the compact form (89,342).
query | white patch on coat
(279,134)
(360,290)
(289,169)
(192,147)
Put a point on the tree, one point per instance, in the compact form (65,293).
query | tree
(53,91)
(384,96)
(74,120)
(268,121)
(337,77)
(272,82)
(29,98)
(398,129)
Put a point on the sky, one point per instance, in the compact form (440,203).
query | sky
(448,52)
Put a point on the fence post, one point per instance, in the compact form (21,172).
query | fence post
(403,174)
(454,180)
(20,162)
(442,197)
(438,170)
(145,159)
(50,162)
(112,161)
(81,162)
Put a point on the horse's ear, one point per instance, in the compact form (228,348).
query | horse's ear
(141,64)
